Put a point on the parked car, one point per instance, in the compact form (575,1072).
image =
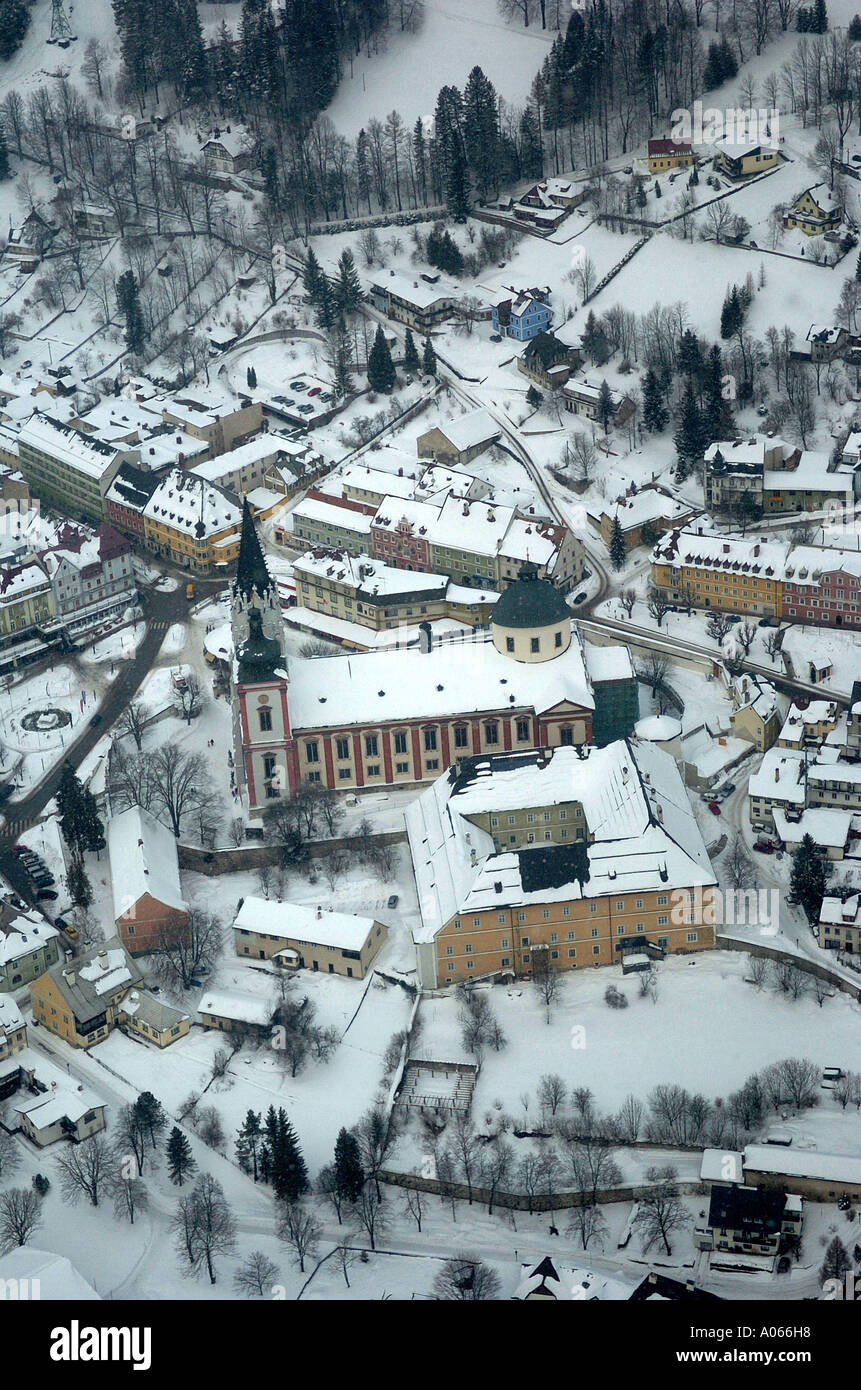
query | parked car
(298,385)
(305,409)
(714,807)
(393,900)
(496,337)
(195,984)
(734,618)
(315,391)
(763,846)
(580,598)
(727,789)
(96,720)
(46,895)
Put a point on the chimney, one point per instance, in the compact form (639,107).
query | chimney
(103,959)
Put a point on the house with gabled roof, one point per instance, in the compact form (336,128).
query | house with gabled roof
(147,895)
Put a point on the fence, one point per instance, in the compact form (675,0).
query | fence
(215,862)
(520,1201)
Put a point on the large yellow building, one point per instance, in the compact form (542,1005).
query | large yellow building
(26,599)
(193,523)
(565,858)
(733,576)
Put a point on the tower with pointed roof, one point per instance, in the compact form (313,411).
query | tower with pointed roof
(263,745)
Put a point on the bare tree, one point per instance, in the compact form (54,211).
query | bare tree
(20,1216)
(184,950)
(182,781)
(368,1214)
(10,1154)
(256,1276)
(628,598)
(346,1255)
(466,1278)
(552,1091)
(414,1202)
(660,1210)
(658,604)
(737,865)
(84,1171)
(189,696)
(203,1226)
(298,1229)
(653,671)
(593,1167)
(546,979)
(133,721)
(496,1165)
(129,1196)
(587,1225)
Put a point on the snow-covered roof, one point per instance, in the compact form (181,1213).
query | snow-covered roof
(828,826)
(374,480)
(363,572)
(721,1165)
(414,289)
(23,935)
(643,835)
(256,450)
(297,922)
(188,504)
(657,728)
(329,513)
(11,1017)
(86,455)
(56,1278)
(802,1163)
(649,505)
(143,859)
(752,692)
(45,1109)
(237,1005)
(469,430)
(377,687)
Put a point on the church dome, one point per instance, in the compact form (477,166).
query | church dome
(531,620)
(530,602)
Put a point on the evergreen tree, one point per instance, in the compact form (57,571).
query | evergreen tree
(531,148)
(481,131)
(79,819)
(655,413)
(534,397)
(689,439)
(606,408)
(78,885)
(809,878)
(820,17)
(689,357)
(251,378)
(151,1116)
(249,1141)
(349,1177)
(327,310)
(5,171)
(349,287)
(595,344)
(657,189)
(718,414)
(642,200)
(855,27)
(617,545)
(289,1173)
(381,369)
(14,23)
(312,277)
(180,1163)
(858,267)
(411,356)
(836,1263)
(457,184)
(340,360)
(271,184)
(732,313)
(363,169)
(428,358)
(128,303)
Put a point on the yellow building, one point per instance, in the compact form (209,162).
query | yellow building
(193,523)
(298,937)
(557,859)
(669,154)
(26,599)
(741,159)
(814,211)
(732,576)
(80,1001)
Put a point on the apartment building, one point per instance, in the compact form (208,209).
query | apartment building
(80,1001)
(29,945)
(26,600)
(89,571)
(192,522)
(67,469)
(422,303)
(220,424)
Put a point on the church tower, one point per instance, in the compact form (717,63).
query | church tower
(262,742)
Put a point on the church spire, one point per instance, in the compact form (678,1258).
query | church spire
(252,575)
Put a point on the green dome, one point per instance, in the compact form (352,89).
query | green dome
(530,602)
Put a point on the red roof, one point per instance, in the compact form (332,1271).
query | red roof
(657,147)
